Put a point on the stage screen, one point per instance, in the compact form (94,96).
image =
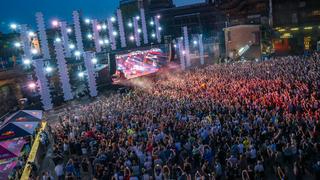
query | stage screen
(140,63)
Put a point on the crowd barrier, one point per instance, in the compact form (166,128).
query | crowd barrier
(35,154)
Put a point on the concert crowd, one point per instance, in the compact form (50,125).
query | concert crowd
(245,120)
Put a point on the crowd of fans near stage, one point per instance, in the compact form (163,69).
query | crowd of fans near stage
(252,120)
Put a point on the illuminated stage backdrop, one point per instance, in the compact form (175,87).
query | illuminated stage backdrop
(63,72)
(65,38)
(88,56)
(136,31)
(42,84)
(181,54)
(121,29)
(186,45)
(144,26)
(112,37)
(43,36)
(77,31)
(96,35)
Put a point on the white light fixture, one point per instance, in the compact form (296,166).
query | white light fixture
(26,61)
(158,16)
(77,53)
(17,44)
(34,51)
(175,46)
(101,42)
(13,26)
(151,23)
(89,36)
(94,60)
(71,46)
(31,34)
(99,27)
(32,85)
(69,30)
(87,21)
(139,31)
(153,35)
(55,23)
(195,42)
(130,24)
(113,19)
(57,40)
(114,33)
(183,52)
(81,74)
(106,41)
(49,69)
(104,26)
(137,17)
(159,28)
(132,38)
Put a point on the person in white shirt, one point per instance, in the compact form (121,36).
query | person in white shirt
(59,171)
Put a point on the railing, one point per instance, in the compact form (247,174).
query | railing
(34,154)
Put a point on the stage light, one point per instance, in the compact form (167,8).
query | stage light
(81,74)
(104,26)
(195,42)
(183,52)
(34,51)
(114,33)
(113,19)
(159,28)
(151,23)
(106,41)
(13,26)
(132,38)
(26,61)
(32,85)
(77,53)
(101,42)
(69,30)
(31,34)
(137,17)
(89,36)
(175,46)
(130,24)
(55,23)
(57,40)
(17,44)
(72,46)
(49,69)
(158,16)
(87,21)
(94,60)
(139,31)
(153,35)
(99,27)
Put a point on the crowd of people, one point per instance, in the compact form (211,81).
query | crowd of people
(252,120)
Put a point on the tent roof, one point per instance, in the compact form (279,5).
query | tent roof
(25,115)
(6,154)
(17,129)
(13,146)
(6,168)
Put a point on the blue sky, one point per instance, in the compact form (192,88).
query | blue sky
(22,11)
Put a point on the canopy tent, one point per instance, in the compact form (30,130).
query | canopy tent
(25,116)
(11,148)
(17,129)
(6,168)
